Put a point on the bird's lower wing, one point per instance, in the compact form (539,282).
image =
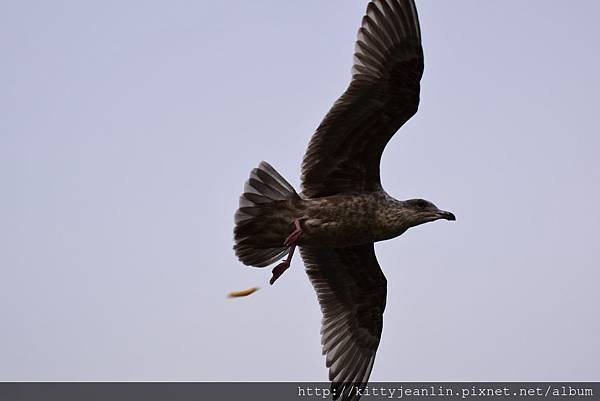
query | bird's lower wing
(351,289)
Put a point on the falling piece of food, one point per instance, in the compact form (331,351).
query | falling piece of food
(243,293)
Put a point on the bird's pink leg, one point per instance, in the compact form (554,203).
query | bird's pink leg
(295,235)
(290,241)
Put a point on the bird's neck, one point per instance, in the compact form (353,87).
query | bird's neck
(391,220)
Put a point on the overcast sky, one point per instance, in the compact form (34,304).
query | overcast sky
(129,128)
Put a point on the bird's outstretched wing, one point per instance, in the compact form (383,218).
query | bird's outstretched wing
(351,289)
(344,153)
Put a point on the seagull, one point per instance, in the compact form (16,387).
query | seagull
(343,209)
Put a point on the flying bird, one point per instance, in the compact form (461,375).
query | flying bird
(343,209)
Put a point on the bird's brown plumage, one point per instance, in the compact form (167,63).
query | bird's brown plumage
(343,209)
(344,153)
(351,290)
(343,156)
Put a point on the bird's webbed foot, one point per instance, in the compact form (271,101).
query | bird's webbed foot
(279,269)
(291,242)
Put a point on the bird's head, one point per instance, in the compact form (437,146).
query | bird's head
(419,211)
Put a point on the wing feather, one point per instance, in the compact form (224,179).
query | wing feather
(344,153)
(351,290)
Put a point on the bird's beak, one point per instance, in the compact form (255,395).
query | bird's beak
(446,215)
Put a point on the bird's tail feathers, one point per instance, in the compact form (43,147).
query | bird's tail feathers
(256,243)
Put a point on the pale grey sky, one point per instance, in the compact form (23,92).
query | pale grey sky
(128,129)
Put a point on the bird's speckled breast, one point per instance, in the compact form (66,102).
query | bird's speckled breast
(345,220)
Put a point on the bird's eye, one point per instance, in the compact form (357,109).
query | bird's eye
(421,204)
